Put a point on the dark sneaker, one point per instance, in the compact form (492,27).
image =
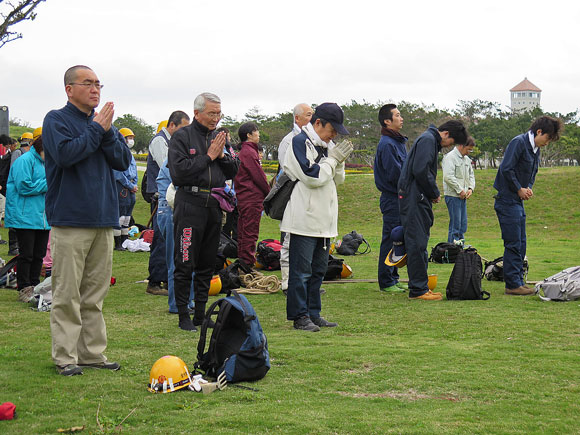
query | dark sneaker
(69,370)
(322,291)
(13,252)
(305,324)
(186,324)
(520,291)
(323,323)
(156,290)
(107,365)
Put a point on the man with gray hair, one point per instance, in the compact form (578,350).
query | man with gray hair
(302,116)
(197,164)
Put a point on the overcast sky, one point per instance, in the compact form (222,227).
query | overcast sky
(155,56)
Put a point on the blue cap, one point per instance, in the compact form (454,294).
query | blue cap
(332,113)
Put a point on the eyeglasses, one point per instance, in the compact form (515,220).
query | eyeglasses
(214,115)
(89,85)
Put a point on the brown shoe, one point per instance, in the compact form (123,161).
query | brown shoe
(520,291)
(157,291)
(429,296)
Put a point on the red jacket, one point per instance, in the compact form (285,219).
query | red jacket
(250,183)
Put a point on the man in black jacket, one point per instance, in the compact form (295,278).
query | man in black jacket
(417,192)
(197,163)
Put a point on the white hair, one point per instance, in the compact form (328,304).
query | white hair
(199,102)
(299,109)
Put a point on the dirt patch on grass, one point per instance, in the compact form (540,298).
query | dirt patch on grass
(410,395)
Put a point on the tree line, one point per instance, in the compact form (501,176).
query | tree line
(491,126)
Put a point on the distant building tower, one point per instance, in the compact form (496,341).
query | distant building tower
(525,96)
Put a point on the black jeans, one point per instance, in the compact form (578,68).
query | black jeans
(32,245)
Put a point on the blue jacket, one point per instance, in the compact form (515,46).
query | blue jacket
(25,191)
(420,168)
(79,159)
(518,168)
(128,178)
(389,159)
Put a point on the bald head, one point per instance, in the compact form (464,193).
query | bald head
(302,114)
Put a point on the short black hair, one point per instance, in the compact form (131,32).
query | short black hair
(245,129)
(456,130)
(177,118)
(547,124)
(386,112)
(5,139)
(37,144)
(71,74)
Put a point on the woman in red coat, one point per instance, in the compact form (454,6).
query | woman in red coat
(251,188)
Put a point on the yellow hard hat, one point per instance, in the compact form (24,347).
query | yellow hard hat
(37,132)
(215,285)
(346,271)
(168,374)
(26,135)
(126,132)
(161,125)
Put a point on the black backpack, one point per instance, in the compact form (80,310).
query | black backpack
(148,197)
(493,270)
(227,248)
(350,244)
(238,345)
(444,252)
(268,254)
(334,269)
(465,280)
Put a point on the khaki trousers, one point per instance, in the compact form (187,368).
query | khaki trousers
(81,276)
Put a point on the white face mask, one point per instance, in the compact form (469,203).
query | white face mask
(130,143)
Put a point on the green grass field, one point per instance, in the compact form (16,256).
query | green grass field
(507,365)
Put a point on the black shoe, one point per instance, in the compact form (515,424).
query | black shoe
(106,365)
(186,324)
(13,252)
(323,323)
(69,370)
(305,324)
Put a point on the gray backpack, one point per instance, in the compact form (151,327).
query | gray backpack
(564,286)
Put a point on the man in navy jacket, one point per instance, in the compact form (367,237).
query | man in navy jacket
(513,182)
(417,192)
(82,148)
(391,154)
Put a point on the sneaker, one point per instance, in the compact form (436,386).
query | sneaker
(186,324)
(156,290)
(429,296)
(13,252)
(69,370)
(323,323)
(106,365)
(520,291)
(402,286)
(392,289)
(304,323)
(322,291)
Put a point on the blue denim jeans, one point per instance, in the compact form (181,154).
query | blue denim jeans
(165,223)
(457,208)
(157,264)
(512,221)
(307,265)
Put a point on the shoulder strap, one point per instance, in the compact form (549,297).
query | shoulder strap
(207,323)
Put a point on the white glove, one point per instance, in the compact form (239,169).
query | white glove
(341,151)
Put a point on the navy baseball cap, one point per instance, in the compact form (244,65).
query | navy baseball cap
(332,113)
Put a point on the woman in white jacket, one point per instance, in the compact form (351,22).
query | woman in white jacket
(312,213)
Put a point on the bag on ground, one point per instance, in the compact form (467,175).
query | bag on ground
(563,286)
(227,248)
(444,252)
(337,269)
(268,254)
(237,344)
(465,280)
(493,270)
(350,244)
